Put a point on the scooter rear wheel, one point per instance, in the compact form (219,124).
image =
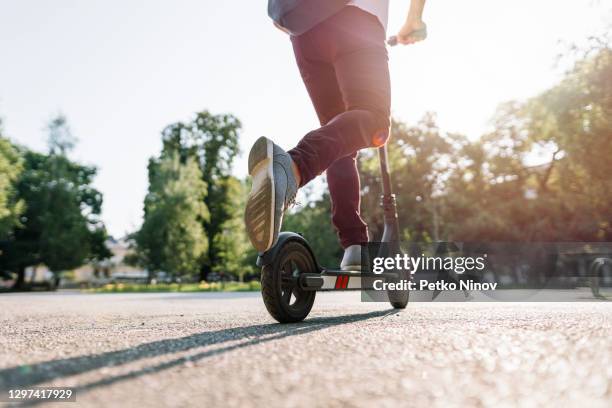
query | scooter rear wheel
(282,295)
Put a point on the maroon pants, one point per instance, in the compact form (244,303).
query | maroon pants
(344,64)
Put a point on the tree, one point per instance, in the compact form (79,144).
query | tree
(568,198)
(11,165)
(213,141)
(61,224)
(235,254)
(172,238)
(575,116)
(61,140)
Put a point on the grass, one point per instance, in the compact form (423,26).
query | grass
(175,287)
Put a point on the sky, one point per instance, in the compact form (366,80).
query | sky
(123,70)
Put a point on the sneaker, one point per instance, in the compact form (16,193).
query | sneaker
(273,191)
(351,261)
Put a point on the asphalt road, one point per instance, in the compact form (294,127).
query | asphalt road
(210,350)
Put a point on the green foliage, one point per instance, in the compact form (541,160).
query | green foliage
(569,197)
(252,286)
(65,229)
(11,165)
(61,140)
(60,226)
(172,238)
(494,194)
(576,117)
(213,141)
(232,244)
(314,221)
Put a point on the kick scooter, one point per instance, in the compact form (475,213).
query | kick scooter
(291,276)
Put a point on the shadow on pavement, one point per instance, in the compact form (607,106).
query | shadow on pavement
(30,375)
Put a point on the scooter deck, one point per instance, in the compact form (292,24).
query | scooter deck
(330,279)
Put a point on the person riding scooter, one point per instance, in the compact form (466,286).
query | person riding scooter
(340,50)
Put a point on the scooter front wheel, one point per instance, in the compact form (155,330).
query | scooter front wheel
(285,300)
(399,298)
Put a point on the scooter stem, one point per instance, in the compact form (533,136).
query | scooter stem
(387,202)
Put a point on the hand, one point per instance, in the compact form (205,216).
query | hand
(414,30)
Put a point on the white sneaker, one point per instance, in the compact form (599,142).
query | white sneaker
(273,191)
(351,261)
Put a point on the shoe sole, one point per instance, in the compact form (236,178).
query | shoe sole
(259,212)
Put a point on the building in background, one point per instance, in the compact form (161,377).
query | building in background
(113,269)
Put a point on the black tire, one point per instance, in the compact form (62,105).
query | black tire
(399,298)
(284,299)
